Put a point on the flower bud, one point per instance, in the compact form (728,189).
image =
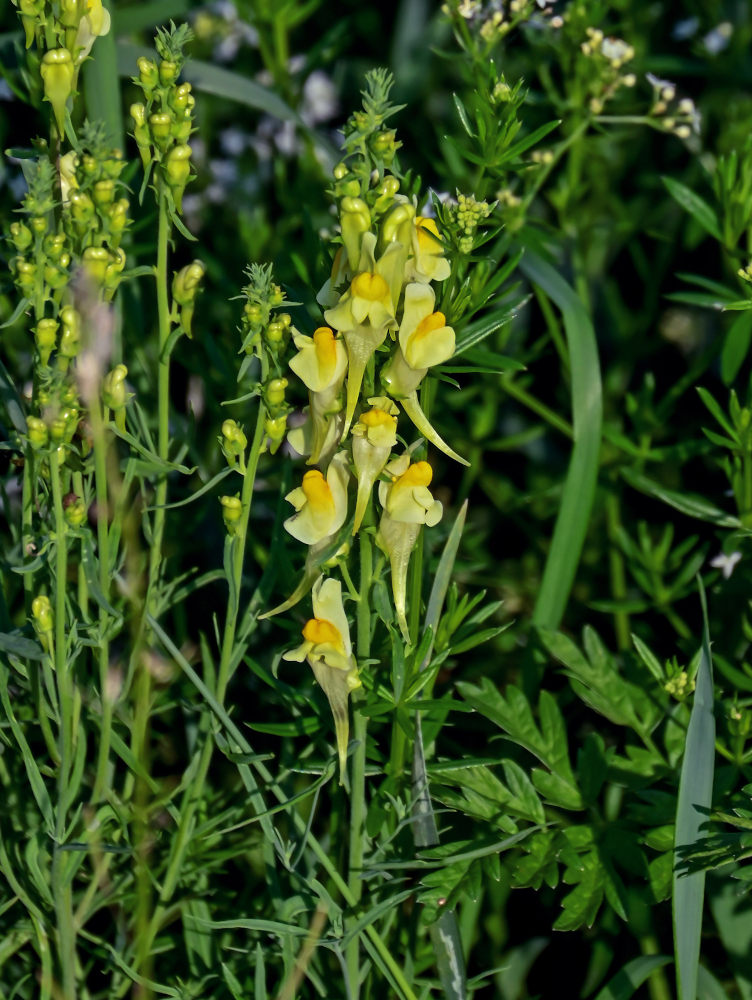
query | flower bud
(276,428)
(141,133)
(148,75)
(37,433)
(274,393)
(56,275)
(233,442)
(179,98)
(160,126)
(275,333)
(54,245)
(168,71)
(118,218)
(104,192)
(95,261)
(57,71)
(82,208)
(355,219)
(26,273)
(45,337)
(42,619)
(114,164)
(185,286)
(114,393)
(178,171)
(74,511)
(232,513)
(70,338)
(340,172)
(20,236)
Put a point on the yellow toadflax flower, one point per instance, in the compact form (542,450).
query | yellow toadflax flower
(95,23)
(425,340)
(327,647)
(427,261)
(407,504)
(374,436)
(366,312)
(320,503)
(321,363)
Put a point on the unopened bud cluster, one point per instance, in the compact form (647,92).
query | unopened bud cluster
(672,113)
(163,121)
(606,59)
(64,31)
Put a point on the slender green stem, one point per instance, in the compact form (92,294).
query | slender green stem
(142,710)
(26,522)
(101,493)
(358,788)
(62,889)
(83,586)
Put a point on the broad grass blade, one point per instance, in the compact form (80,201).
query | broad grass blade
(628,980)
(695,794)
(587,412)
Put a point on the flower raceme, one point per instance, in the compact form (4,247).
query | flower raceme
(327,648)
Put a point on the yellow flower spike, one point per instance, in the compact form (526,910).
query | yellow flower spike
(327,647)
(374,437)
(321,363)
(427,262)
(320,503)
(407,504)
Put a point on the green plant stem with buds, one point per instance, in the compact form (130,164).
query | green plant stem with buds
(62,888)
(360,730)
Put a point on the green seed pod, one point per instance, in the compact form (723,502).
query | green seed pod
(57,72)
(37,433)
(45,337)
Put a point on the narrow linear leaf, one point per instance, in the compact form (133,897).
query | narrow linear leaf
(687,503)
(695,799)
(697,207)
(587,410)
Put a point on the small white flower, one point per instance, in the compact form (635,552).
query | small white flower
(726,563)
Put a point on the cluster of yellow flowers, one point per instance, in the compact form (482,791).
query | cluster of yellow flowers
(379,307)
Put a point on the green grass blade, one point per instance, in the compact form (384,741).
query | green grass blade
(628,980)
(587,411)
(102,86)
(695,795)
